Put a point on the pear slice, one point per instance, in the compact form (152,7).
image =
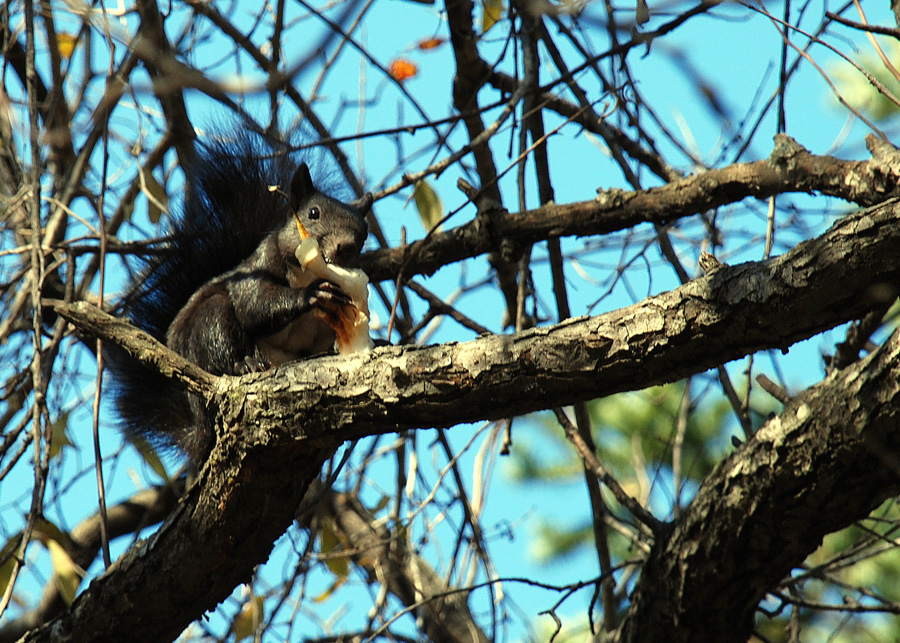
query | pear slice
(350,323)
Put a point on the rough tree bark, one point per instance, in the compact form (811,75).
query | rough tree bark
(277,428)
(829,459)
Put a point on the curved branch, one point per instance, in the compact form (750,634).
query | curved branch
(827,461)
(790,168)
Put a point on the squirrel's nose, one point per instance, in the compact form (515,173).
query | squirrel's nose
(343,252)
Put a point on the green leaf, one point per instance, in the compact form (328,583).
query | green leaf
(7,567)
(429,205)
(492,12)
(150,456)
(66,573)
(59,437)
(339,565)
(321,598)
(553,542)
(248,620)
(46,530)
(381,504)
(157,199)
(856,89)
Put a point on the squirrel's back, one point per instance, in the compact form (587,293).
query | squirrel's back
(228,209)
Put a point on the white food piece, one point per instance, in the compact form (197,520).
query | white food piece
(352,325)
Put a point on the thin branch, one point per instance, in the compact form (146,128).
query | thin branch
(593,464)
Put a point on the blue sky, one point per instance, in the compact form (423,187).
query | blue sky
(736,55)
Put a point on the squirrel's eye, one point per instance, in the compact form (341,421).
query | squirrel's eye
(314,213)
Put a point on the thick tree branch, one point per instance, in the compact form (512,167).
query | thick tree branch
(225,525)
(831,458)
(277,428)
(145,508)
(735,311)
(790,168)
(471,73)
(90,321)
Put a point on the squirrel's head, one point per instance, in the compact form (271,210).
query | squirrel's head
(340,228)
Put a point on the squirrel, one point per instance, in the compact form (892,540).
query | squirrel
(220,293)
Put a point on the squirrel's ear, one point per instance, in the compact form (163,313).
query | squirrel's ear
(301,187)
(364,203)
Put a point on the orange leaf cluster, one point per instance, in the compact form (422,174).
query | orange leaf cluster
(402,69)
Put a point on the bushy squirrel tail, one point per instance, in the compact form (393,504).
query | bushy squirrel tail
(228,209)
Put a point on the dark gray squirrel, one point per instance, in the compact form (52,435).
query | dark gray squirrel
(218,294)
